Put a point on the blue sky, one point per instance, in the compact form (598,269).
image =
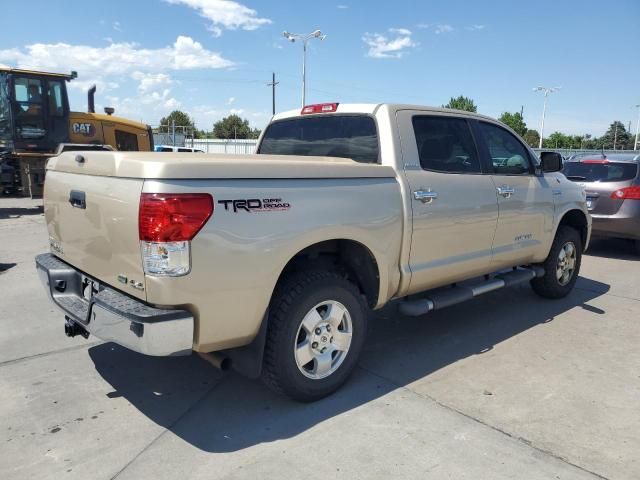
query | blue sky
(214,57)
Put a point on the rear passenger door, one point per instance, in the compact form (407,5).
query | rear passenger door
(525,200)
(454,206)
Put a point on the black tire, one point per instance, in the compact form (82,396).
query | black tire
(293,299)
(636,247)
(549,286)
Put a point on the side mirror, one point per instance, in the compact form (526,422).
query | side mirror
(550,161)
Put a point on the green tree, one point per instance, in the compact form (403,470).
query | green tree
(233,126)
(461,103)
(557,140)
(183,122)
(515,121)
(617,133)
(532,137)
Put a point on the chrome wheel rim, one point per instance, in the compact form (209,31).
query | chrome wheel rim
(323,339)
(566,264)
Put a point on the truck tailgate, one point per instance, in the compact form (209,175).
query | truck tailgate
(93,225)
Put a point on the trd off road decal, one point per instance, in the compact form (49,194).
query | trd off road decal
(255,205)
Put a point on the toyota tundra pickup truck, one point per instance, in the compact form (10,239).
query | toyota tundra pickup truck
(271,262)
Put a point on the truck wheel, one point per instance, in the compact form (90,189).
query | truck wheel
(317,328)
(562,266)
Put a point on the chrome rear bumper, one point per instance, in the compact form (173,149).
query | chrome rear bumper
(113,316)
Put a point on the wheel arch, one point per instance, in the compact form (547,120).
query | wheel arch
(350,256)
(577,219)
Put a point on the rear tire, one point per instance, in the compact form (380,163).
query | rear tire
(562,266)
(636,247)
(317,328)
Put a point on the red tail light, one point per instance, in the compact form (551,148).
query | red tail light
(320,108)
(173,217)
(627,193)
(596,161)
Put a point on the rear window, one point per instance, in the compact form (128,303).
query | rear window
(347,136)
(600,172)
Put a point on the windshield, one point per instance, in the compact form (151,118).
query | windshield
(5,109)
(347,136)
(602,171)
(28,110)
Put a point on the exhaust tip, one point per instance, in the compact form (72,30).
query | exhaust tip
(221,362)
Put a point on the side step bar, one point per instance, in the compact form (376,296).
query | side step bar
(458,294)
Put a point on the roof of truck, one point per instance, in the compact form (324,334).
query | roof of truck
(19,71)
(372,108)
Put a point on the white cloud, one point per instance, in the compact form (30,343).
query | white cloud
(343,7)
(151,81)
(474,28)
(231,100)
(224,14)
(389,46)
(116,26)
(116,58)
(443,28)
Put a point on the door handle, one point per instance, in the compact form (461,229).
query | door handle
(425,197)
(505,191)
(77,199)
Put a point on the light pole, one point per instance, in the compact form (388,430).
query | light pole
(635,144)
(547,91)
(292,37)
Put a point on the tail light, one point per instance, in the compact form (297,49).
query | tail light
(319,108)
(627,193)
(167,222)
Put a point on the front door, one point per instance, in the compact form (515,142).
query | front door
(525,200)
(454,205)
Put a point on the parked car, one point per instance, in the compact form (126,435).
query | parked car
(172,148)
(612,184)
(343,209)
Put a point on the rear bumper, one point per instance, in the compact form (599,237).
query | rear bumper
(113,316)
(624,224)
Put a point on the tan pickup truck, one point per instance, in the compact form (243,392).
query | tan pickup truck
(271,262)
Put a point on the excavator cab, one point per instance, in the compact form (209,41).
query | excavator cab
(34,110)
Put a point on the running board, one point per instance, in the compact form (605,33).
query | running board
(459,294)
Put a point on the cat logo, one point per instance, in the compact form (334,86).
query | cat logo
(86,129)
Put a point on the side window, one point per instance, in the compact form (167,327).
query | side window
(126,142)
(28,94)
(508,155)
(56,108)
(445,144)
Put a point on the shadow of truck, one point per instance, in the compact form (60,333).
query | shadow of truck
(228,413)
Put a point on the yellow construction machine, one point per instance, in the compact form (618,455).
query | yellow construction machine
(36,123)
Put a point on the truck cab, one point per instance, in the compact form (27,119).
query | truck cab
(34,110)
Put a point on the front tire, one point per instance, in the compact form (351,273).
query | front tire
(317,328)
(562,266)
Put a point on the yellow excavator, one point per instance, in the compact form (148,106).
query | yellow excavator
(36,123)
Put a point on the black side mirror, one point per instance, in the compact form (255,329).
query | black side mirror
(550,161)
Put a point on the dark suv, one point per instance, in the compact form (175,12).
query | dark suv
(612,184)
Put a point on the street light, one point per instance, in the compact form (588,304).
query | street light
(292,37)
(547,91)
(635,144)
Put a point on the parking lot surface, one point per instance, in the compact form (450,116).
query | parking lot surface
(505,386)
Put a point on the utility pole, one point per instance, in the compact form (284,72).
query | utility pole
(635,144)
(273,92)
